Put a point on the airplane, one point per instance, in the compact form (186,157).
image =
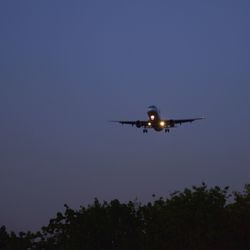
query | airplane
(155,122)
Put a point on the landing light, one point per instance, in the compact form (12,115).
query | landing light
(162,123)
(152,117)
(149,124)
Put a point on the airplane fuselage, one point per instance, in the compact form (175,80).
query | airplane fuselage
(155,119)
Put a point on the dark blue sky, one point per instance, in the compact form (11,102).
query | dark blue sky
(68,67)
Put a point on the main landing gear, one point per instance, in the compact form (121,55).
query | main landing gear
(167,130)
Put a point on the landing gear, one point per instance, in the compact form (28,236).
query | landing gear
(167,130)
(145,130)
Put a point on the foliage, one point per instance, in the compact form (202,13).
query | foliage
(196,218)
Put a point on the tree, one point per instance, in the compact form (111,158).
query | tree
(196,218)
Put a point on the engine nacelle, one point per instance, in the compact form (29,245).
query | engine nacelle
(138,124)
(171,123)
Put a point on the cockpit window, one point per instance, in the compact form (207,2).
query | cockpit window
(152,107)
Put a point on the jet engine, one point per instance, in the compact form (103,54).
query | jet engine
(138,124)
(171,123)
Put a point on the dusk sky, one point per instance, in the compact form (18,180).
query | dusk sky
(69,67)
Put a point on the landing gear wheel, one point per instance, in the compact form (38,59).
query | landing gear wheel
(167,130)
(145,130)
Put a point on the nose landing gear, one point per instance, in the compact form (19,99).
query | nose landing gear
(145,131)
(167,130)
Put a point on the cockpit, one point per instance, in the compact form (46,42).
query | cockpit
(153,108)
(153,113)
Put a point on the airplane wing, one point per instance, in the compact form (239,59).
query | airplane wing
(137,123)
(172,123)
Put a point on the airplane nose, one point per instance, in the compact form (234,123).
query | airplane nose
(152,108)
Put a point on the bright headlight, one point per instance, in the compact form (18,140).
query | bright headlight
(162,123)
(149,124)
(152,117)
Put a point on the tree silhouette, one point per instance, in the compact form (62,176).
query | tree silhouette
(196,218)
